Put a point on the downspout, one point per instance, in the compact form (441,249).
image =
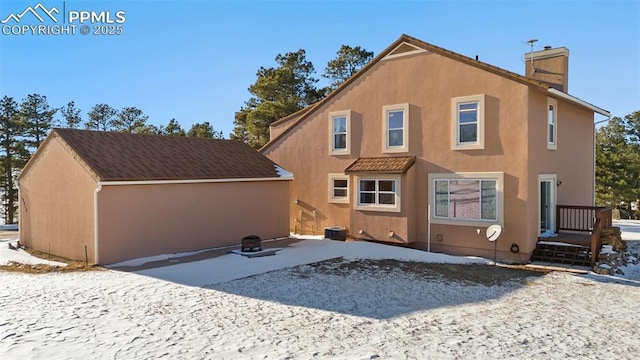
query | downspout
(429,227)
(19,209)
(95,223)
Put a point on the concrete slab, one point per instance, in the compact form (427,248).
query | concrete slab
(252,254)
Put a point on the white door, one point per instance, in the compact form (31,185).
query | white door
(547,204)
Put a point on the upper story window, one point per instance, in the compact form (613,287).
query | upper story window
(467,122)
(552,124)
(338,188)
(379,193)
(339,127)
(395,127)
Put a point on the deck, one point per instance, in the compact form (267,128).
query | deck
(569,237)
(577,240)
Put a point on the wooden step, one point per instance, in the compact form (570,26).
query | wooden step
(562,253)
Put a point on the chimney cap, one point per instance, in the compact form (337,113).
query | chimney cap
(547,47)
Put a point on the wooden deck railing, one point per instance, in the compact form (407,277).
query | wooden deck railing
(590,219)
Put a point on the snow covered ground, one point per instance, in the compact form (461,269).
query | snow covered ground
(300,304)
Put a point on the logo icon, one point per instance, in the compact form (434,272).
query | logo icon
(34,12)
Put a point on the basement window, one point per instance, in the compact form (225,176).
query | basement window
(339,188)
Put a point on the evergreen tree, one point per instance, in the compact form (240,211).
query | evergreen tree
(132,120)
(12,154)
(37,117)
(101,118)
(347,62)
(240,131)
(173,128)
(618,163)
(70,115)
(204,130)
(278,92)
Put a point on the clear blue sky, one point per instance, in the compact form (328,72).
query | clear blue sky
(194,60)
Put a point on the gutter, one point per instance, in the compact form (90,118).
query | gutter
(577,101)
(192,181)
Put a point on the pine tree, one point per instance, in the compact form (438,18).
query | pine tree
(278,92)
(12,154)
(347,62)
(131,120)
(173,128)
(70,115)
(101,118)
(617,163)
(204,130)
(37,117)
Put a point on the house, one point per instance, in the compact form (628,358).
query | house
(106,197)
(427,148)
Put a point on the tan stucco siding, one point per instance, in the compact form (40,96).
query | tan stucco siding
(395,227)
(145,220)
(575,155)
(276,129)
(571,162)
(428,82)
(56,204)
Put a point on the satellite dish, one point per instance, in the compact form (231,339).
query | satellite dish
(493,232)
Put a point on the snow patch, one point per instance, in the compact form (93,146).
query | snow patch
(20,256)
(283,173)
(230,267)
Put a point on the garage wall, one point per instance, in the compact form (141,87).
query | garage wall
(145,220)
(56,203)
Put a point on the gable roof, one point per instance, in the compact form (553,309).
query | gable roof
(403,44)
(381,165)
(115,156)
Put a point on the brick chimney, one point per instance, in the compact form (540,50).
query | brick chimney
(550,65)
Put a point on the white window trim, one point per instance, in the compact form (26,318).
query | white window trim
(498,176)
(376,207)
(552,145)
(405,128)
(455,136)
(334,199)
(332,149)
(393,55)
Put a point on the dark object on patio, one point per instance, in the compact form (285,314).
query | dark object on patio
(251,243)
(335,233)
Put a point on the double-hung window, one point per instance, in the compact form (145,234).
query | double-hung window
(379,193)
(339,127)
(395,126)
(466,198)
(552,124)
(467,123)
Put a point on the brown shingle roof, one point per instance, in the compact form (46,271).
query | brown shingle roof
(381,165)
(115,156)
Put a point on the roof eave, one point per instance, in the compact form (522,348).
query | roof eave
(580,102)
(115,182)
